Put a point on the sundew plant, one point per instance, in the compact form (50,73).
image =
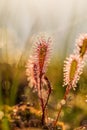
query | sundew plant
(36,70)
(37,65)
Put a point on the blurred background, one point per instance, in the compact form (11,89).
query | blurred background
(64,20)
(19,20)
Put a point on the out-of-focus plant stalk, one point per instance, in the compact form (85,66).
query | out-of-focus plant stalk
(73,67)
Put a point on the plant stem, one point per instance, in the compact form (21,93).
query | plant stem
(65,98)
(41,100)
(43,106)
(49,92)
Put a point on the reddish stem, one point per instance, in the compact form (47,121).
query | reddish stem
(49,92)
(43,106)
(65,98)
(41,100)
